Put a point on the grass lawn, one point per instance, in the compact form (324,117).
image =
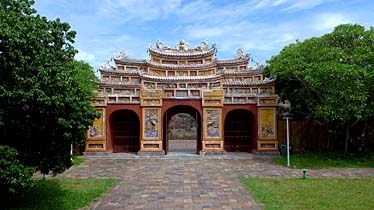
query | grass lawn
(77,160)
(325,160)
(318,194)
(60,194)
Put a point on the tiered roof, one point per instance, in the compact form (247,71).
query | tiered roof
(182,50)
(182,78)
(252,71)
(246,83)
(129,61)
(182,66)
(122,72)
(235,61)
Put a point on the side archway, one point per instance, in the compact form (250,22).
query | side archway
(125,131)
(238,131)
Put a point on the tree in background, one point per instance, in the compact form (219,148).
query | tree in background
(44,93)
(329,78)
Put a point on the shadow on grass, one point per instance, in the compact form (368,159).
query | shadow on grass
(60,194)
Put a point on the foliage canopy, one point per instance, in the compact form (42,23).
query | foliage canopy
(329,78)
(44,93)
(15,179)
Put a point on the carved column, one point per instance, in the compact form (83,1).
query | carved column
(96,134)
(151,126)
(267,124)
(212,121)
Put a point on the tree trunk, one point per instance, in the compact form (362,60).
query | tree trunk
(346,140)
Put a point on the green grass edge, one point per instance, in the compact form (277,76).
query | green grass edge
(327,160)
(62,194)
(312,193)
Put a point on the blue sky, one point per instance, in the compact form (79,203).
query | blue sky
(261,28)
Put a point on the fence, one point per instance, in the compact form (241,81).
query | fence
(313,137)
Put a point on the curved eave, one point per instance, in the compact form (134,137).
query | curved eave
(128,61)
(241,95)
(246,73)
(249,84)
(236,61)
(177,54)
(119,84)
(121,72)
(182,78)
(110,68)
(257,68)
(176,66)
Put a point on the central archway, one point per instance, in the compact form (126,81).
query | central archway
(182,130)
(125,131)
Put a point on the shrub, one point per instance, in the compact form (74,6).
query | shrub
(15,178)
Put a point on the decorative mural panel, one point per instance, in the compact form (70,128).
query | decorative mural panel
(151,102)
(151,123)
(217,102)
(213,93)
(213,97)
(151,97)
(182,93)
(267,146)
(213,145)
(168,93)
(100,101)
(212,124)
(268,101)
(149,85)
(151,93)
(195,93)
(97,130)
(197,85)
(266,128)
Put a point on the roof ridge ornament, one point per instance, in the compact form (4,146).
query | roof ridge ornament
(203,46)
(270,79)
(120,55)
(106,66)
(182,45)
(240,54)
(182,48)
(161,46)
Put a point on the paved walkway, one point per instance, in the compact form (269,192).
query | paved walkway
(192,182)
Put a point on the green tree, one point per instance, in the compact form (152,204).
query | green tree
(329,78)
(44,93)
(15,179)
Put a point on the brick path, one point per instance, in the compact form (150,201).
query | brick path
(188,182)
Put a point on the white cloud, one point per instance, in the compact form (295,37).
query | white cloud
(286,38)
(138,10)
(279,2)
(288,5)
(260,27)
(200,31)
(85,56)
(209,12)
(326,21)
(297,5)
(262,4)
